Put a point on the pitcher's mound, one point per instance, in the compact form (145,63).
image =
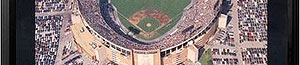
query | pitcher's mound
(148,24)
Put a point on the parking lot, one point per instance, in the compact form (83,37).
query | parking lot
(243,42)
(47,33)
(42,6)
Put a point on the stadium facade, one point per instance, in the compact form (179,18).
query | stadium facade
(120,48)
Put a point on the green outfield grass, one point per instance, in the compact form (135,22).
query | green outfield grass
(170,7)
(173,8)
(128,7)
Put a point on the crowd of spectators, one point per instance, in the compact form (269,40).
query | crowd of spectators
(252,16)
(254,56)
(47,33)
(200,16)
(97,14)
(49,5)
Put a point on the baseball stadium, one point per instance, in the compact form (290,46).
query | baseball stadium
(146,32)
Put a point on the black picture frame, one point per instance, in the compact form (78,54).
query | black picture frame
(17,32)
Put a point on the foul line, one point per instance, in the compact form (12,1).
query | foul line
(122,15)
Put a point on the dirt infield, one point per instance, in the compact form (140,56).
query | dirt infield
(157,15)
(137,17)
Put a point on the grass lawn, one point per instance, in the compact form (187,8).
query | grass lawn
(205,58)
(153,22)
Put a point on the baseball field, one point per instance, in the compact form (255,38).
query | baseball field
(152,17)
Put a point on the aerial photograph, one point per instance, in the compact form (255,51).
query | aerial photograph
(151,32)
